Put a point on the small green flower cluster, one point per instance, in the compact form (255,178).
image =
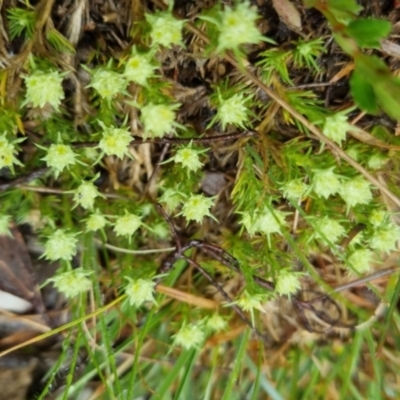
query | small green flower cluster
(7,152)
(266,221)
(326,183)
(193,335)
(72,283)
(381,238)
(44,88)
(189,335)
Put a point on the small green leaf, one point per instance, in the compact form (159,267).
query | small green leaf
(348,6)
(367,32)
(385,90)
(347,44)
(343,11)
(388,94)
(372,67)
(363,93)
(386,87)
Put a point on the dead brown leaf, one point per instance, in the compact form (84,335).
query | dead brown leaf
(343,72)
(16,272)
(288,14)
(367,138)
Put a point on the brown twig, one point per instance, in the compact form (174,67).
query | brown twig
(22,179)
(137,140)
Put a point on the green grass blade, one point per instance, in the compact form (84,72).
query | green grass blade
(184,359)
(238,366)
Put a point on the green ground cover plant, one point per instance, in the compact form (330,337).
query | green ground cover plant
(218,189)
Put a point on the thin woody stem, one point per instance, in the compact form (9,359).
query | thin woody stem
(137,140)
(22,179)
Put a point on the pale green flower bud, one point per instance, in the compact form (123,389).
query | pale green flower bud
(233,110)
(328,230)
(171,199)
(72,283)
(325,182)
(215,323)
(60,246)
(165,29)
(115,141)
(189,158)
(287,282)
(7,158)
(107,83)
(44,87)
(360,260)
(158,119)
(377,161)
(378,217)
(7,151)
(59,156)
(91,153)
(238,26)
(196,207)
(96,222)
(127,225)
(307,51)
(250,222)
(385,238)
(295,189)
(138,291)
(189,336)
(250,302)
(266,222)
(139,68)
(271,221)
(85,195)
(161,231)
(336,127)
(356,191)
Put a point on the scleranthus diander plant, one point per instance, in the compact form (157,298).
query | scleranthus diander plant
(107,83)
(115,141)
(139,67)
(8,152)
(44,88)
(72,283)
(60,245)
(60,156)
(184,149)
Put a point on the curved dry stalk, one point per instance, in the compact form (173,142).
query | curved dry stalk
(63,327)
(137,140)
(187,298)
(25,178)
